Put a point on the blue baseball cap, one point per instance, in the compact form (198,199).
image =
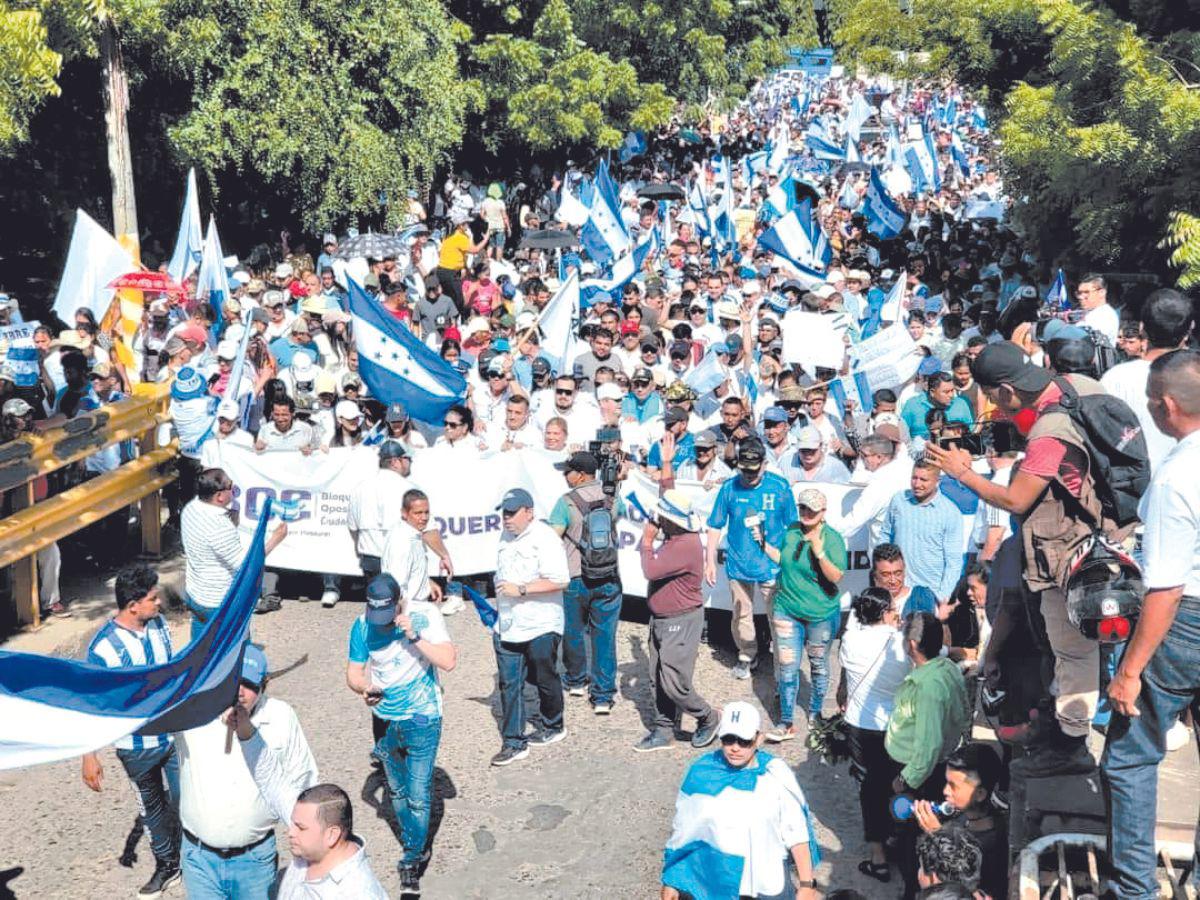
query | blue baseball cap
(775,414)
(517,498)
(383,591)
(254,666)
(931,365)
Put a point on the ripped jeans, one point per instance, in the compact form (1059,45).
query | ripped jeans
(814,636)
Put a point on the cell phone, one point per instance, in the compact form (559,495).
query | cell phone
(972,443)
(374,692)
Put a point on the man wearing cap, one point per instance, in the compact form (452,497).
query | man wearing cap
(192,420)
(434,311)
(281,318)
(228,433)
(490,398)
(704,466)
(1054,493)
(138,635)
(531,573)
(402,637)
(629,354)
(741,822)
(592,601)
(811,462)
(889,472)
(777,440)
(682,441)
(643,402)
(297,342)
(939,394)
(755,502)
(676,606)
(228,828)
(151,338)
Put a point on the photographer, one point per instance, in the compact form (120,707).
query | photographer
(585,518)
(1054,494)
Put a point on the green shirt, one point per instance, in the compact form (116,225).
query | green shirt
(930,716)
(800,593)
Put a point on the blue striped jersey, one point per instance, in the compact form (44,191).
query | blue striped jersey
(117,647)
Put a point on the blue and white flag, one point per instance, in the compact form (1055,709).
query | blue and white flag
(849,198)
(624,270)
(488,614)
(698,206)
(792,239)
(979,118)
(856,387)
(710,844)
(894,150)
(235,379)
(706,375)
(885,219)
(860,111)
(725,231)
(1056,297)
(396,366)
(53,708)
(212,281)
(922,163)
(822,147)
(190,240)
(852,154)
(634,145)
(893,304)
(570,210)
(557,323)
(960,154)
(604,235)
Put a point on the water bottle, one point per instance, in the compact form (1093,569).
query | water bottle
(903,808)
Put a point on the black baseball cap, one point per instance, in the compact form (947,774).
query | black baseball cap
(382,593)
(392,450)
(517,498)
(1006,363)
(579,462)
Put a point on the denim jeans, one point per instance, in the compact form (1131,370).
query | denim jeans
(591,611)
(155,776)
(409,749)
(248,876)
(814,637)
(535,661)
(1135,747)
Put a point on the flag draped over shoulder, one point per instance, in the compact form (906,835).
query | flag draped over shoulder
(53,709)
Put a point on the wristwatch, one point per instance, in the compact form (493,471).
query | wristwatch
(811,883)
(521,589)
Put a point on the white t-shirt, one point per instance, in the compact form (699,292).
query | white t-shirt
(1105,320)
(1171,511)
(873,658)
(1128,381)
(535,553)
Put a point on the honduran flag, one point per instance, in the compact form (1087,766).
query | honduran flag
(714,811)
(53,709)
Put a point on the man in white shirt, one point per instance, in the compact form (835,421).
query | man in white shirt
(1166,322)
(376,506)
(285,432)
(518,430)
(812,462)
(531,573)
(328,861)
(1092,294)
(213,551)
(579,411)
(1158,677)
(889,474)
(228,828)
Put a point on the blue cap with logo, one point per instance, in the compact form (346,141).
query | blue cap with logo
(517,498)
(254,666)
(383,592)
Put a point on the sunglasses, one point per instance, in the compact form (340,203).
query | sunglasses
(564,392)
(728,740)
(700,450)
(641,384)
(450,424)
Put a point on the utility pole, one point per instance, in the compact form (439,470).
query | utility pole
(120,158)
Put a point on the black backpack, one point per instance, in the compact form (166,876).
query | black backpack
(1116,447)
(597,538)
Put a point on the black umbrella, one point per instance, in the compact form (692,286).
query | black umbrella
(372,246)
(662,192)
(549,239)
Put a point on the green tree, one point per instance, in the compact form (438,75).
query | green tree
(338,105)
(28,71)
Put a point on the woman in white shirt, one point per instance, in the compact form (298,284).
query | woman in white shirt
(873,666)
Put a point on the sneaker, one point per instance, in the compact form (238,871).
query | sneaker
(1178,737)
(451,604)
(578,691)
(544,737)
(330,598)
(509,755)
(654,740)
(410,881)
(165,875)
(706,733)
(269,604)
(741,671)
(779,735)
(1065,756)
(603,708)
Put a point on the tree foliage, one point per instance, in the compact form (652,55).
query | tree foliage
(28,71)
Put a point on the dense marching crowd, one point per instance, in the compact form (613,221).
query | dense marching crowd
(963,537)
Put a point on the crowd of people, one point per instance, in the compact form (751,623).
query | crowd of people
(974,487)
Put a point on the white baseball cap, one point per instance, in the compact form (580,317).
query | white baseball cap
(739,719)
(228,409)
(609,391)
(348,410)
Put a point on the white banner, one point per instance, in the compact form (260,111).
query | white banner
(812,340)
(464,489)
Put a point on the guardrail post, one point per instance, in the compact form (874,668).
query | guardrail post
(27,606)
(151,505)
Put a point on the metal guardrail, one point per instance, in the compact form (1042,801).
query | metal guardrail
(34,526)
(1059,881)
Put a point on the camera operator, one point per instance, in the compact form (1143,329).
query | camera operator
(1054,494)
(585,518)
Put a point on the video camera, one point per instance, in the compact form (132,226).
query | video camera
(607,450)
(1000,437)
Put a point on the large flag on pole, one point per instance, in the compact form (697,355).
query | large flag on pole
(570,210)
(396,366)
(557,322)
(212,281)
(792,239)
(604,235)
(1056,297)
(53,709)
(190,241)
(884,218)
